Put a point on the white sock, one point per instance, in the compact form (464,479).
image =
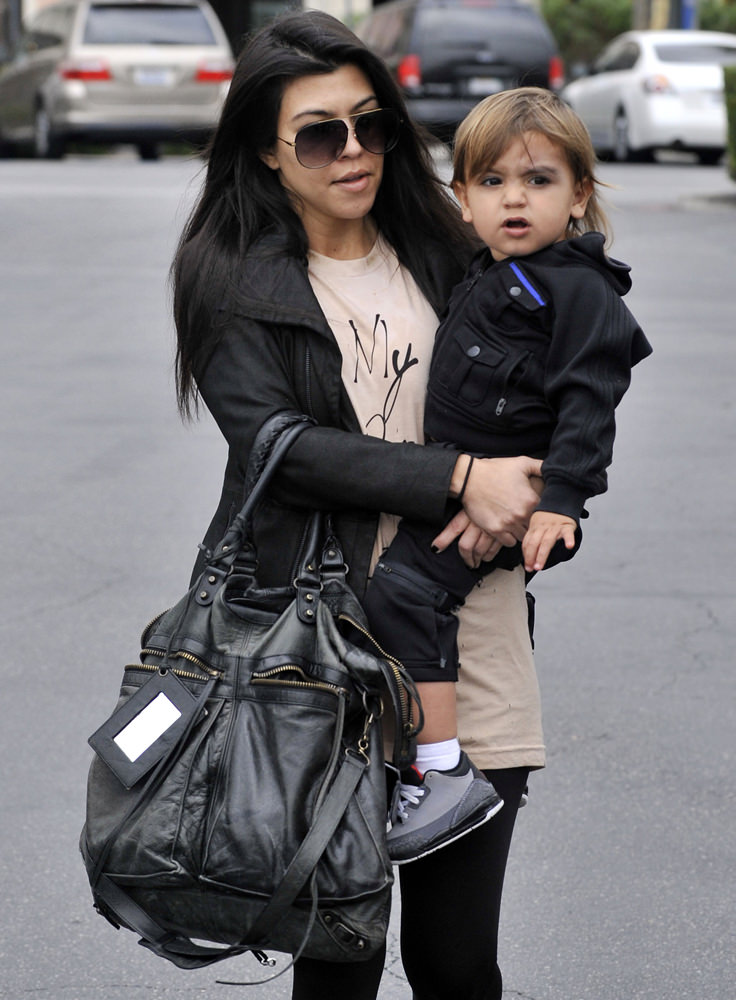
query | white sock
(438,756)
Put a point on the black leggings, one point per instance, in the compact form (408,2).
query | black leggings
(450,904)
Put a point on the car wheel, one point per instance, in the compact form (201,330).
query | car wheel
(148,150)
(621,149)
(47,145)
(7,149)
(709,157)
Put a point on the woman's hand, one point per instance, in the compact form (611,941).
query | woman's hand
(498,496)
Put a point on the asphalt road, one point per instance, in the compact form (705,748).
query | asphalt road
(621,883)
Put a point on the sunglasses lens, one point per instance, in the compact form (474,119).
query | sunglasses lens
(378,131)
(320,143)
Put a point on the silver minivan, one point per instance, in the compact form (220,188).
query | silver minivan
(115,71)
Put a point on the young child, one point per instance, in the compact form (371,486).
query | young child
(533,355)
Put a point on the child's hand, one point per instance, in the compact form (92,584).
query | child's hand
(545,528)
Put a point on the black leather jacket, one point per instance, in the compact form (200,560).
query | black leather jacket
(277,353)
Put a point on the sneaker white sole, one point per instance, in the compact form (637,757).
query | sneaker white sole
(438,847)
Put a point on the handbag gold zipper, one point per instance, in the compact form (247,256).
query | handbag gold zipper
(181,654)
(393,663)
(147,630)
(274,676)
(152,669)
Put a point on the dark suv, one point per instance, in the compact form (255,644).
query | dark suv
(449,54)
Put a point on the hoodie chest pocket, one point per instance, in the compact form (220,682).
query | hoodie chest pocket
(478,372)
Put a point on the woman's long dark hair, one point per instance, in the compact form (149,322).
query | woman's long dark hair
(242,198)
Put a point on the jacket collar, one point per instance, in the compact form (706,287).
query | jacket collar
(274,287)
(587,250)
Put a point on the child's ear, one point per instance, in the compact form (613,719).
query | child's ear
(461,194)
(583,191)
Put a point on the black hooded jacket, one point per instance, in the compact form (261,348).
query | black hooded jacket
(533,357)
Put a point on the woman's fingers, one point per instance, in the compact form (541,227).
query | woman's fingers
(474,544)
(452,530)
(500,498)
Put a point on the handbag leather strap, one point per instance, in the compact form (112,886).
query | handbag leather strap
(182,951)
(313,846)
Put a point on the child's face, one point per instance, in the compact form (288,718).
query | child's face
(525,202)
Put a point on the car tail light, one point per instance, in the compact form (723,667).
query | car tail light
(85,69)
(213,72)
(556,73)
(409,73)
(658,85)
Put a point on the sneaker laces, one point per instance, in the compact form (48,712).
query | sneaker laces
(405,795)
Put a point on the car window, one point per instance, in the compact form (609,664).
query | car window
(147,24)
(45,31)
(470,27)
(721,55)
(621,56)
(60,21)
(385,29)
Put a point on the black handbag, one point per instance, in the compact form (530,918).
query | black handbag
(238,792)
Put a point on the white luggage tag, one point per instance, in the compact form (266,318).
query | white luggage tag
(143,730)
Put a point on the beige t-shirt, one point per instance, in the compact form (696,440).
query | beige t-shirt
(385,330)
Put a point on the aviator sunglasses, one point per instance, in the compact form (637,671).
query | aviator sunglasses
(320,143)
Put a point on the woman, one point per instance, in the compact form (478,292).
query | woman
(310,277)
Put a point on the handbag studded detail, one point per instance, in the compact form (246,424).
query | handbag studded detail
(237,798)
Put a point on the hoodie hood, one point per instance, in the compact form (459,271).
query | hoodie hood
(589,249)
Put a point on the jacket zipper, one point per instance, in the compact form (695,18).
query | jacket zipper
(522,363)
(308,379)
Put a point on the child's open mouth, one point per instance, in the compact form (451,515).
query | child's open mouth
(516,224)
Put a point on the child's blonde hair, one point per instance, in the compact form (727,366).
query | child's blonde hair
(486,132)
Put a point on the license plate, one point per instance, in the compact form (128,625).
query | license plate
(480,86)
(153,76)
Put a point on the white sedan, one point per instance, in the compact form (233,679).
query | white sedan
(651,90)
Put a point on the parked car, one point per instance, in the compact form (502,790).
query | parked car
(132,71)
(651,90)
(449,54)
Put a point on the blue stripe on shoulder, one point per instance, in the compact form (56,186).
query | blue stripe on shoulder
(527,284)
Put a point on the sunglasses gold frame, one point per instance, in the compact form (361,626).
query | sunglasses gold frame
(350,122)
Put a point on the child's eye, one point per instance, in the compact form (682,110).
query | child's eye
(490,181)
(539,180)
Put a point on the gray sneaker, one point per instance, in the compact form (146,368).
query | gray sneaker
(434,810)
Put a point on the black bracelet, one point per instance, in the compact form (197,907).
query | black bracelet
(461,494)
